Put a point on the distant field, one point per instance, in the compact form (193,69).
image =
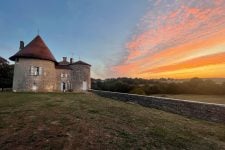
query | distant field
(220,99)
(87,121)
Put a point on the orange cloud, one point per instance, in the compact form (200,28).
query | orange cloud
(176,33)
(172,55)
(187,37)
(192,63)
(211,71)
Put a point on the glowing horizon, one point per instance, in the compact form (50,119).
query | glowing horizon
(178,39)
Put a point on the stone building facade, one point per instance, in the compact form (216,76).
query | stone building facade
(37,70)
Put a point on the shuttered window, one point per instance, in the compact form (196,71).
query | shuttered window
(64,75)
(36,71)
(32,70)
(40,71)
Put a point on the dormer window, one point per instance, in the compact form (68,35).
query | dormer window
(35,71)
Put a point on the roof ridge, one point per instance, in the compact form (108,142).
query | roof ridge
(80,62)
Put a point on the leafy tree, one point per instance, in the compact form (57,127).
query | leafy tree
(137,90)
(222,89)
(6,76)
(172,88)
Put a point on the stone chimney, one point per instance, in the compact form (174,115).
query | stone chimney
(21,45)
(71,60)
(64,59)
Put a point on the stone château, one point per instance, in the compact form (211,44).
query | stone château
(37,70)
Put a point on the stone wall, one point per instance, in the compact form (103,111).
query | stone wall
(79,74)
(206,111)
(66,78)
(23,81)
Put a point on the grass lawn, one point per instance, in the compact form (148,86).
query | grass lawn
(87,121)
(220,99)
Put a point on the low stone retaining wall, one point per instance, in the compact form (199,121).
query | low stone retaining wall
(200,110)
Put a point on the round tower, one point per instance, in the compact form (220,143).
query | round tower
(34,67)
(81,76)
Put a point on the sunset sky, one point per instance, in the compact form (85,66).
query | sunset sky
(124,38)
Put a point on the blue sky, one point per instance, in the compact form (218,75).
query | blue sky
(95,30)
(132,38)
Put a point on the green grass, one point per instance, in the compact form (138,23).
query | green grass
(220,99)
(87,121)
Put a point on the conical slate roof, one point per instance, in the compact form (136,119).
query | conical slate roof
(35,49)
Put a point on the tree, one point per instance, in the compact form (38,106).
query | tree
(137,90)
(223,88)
(172,88)
(6,76)
(160,86)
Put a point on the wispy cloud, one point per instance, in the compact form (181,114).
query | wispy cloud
(172,32)
(202,61)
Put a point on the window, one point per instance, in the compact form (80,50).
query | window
(35,71)
(64,75)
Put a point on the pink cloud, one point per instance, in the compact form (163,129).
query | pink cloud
(162,33)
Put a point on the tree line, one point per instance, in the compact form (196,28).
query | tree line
(160,86)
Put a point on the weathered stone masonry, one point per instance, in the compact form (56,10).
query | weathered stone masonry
(24,82)
(36,70)
(206,111)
